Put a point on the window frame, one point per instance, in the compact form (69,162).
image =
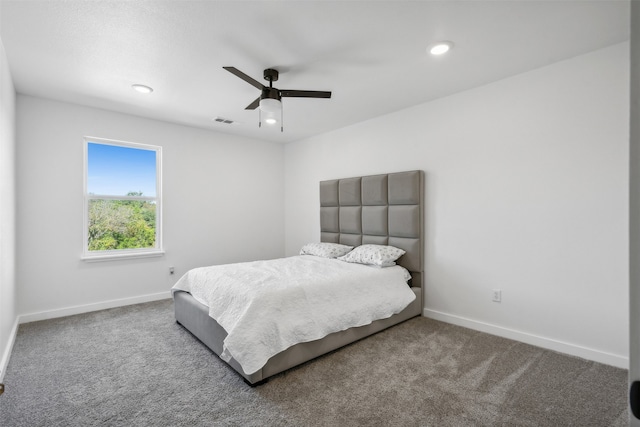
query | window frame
(114,254)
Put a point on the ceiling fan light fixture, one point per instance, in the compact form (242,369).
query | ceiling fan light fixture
(440,48)
(270,105)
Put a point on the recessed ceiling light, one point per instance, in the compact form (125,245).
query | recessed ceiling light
(142,88)
(440,48)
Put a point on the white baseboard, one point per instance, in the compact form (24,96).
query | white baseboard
(7,351)
(79,309)
(548,343)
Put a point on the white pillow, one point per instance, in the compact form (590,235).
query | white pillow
(379,255)
(325,250)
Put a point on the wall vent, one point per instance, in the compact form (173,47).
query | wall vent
(223,120)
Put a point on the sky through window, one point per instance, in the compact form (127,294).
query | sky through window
(116,170)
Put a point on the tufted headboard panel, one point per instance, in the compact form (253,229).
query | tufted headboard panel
(377,209)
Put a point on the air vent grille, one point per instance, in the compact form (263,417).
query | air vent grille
(223,120)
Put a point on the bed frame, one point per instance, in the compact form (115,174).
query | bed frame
(382,209)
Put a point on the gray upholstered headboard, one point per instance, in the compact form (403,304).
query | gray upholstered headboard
(377,209)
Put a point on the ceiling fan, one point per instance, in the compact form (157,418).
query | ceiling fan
(270,99)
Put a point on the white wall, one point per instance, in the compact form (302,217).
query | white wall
(634,208)
(8,313)
(526,191)
(219,192)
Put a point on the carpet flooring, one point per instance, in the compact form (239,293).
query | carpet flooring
(134,366)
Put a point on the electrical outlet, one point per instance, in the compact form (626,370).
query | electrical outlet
(171,270)
(497,295)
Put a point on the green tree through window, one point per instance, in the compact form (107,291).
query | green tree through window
(121,224)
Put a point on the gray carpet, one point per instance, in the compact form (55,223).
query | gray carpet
(134,366)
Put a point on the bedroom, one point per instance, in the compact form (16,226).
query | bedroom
(536,206)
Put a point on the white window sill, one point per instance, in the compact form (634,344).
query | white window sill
(120,256)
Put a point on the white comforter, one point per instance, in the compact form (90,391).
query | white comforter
(268,306)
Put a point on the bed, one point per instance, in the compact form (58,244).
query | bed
(385,210)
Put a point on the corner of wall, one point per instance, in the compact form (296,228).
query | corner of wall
(8,284)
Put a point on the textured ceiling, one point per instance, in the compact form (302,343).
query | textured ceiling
(370,54)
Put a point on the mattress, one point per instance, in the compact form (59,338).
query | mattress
(194,317)
(268,306)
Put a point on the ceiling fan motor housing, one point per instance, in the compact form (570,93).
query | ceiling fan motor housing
(270,93)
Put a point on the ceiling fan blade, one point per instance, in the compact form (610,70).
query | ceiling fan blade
(305,94)
(243,76)
(253,105)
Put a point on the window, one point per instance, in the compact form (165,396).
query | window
(122,199)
